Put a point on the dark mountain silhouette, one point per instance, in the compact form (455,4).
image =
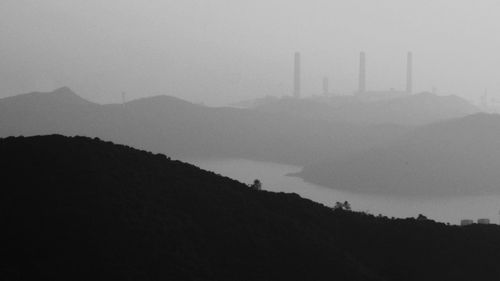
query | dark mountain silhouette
(458,157)
(186,130)
(83,209)
(411,110)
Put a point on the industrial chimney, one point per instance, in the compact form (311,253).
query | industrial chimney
(296,74)
(409,73)
(325,86)
(362,73)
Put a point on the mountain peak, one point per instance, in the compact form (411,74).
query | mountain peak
(64,91)
(64,95)
(59,97)
(162,101)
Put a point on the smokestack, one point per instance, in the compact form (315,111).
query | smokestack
(362,73)
(296,84)
(325,86)
(409,73)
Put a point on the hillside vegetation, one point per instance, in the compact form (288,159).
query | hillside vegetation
(83,209)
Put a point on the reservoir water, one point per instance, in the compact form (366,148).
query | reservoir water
(274,178)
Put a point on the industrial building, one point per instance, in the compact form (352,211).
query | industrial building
(479,221)
(483,221)
(466,222)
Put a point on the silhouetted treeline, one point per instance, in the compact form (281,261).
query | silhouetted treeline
(83,209)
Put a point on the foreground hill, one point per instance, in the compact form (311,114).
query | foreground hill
(418,109)
(82,209)
(458,157)
(186,130)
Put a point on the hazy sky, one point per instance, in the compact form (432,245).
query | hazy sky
(218,51)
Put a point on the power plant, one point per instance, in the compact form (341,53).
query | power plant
(362,90)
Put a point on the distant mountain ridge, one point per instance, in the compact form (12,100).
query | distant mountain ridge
(368,158)
(457,157)
(60,95)
(412,110)
(186,130)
